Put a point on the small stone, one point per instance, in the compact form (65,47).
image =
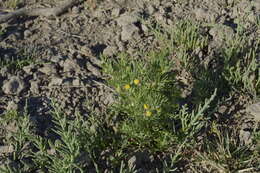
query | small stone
(27,33)
(76,82)
(204,15)
(115,12)
(28,69)
(6,149)
(150,9)
(98,13)
(221,32)
(14,85)
(56,59)
(132,162)
(56,81)
(128,31)
(93,69)
(158,17)
(12,106)
(48,69)
(144,28)
(110,51)
(127,19)
(245,137)
(108,99)
(70,65)
(34,87)
(75,10)
(4,71)
(254,110)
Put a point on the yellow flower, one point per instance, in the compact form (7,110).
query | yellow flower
(136,81)
(148,113)
(127,86)
(146,106)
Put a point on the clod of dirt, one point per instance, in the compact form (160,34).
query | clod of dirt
(245,137)
(109,50)
(127,19)
(55,81)
(48,69)
(129,32)
(219,32)
(12,106)
(254,110)
(204,15)
(13,86)
(71,65)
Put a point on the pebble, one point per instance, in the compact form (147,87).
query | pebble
(48,69)
(115,12)
(34,87)
(110,51)
(55,81)
(204,15)
(220,32)
(93,69)
(12,106)
(71,65)
(128,31)
(127,19)
(254,109)
(27,33)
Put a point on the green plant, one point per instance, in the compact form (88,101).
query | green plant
(241,69)
(222,153)
(18,137)
(148,102)
(12,4)
(24,57)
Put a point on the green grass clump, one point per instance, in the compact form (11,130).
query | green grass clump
(24,57)
(148,102)
(12,4)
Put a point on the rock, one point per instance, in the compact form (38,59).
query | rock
(128,31)
(127,19)
(6,149)
(70,65)
(4,71)
(98,13)
(27,33)
(76,82)
(150,9)
(110,51)
(28,69)
(56,59)
(13,86)
(75,10)
(132,162)
(115,12)
(204,15)
(93,69)
(245,137)
(55,81)
(138,159)
(34,87)
(221,32)
(48,69)
(108,99)
(254,110)
(12,106)
(144,28)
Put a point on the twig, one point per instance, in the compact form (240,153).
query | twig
(26,11)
